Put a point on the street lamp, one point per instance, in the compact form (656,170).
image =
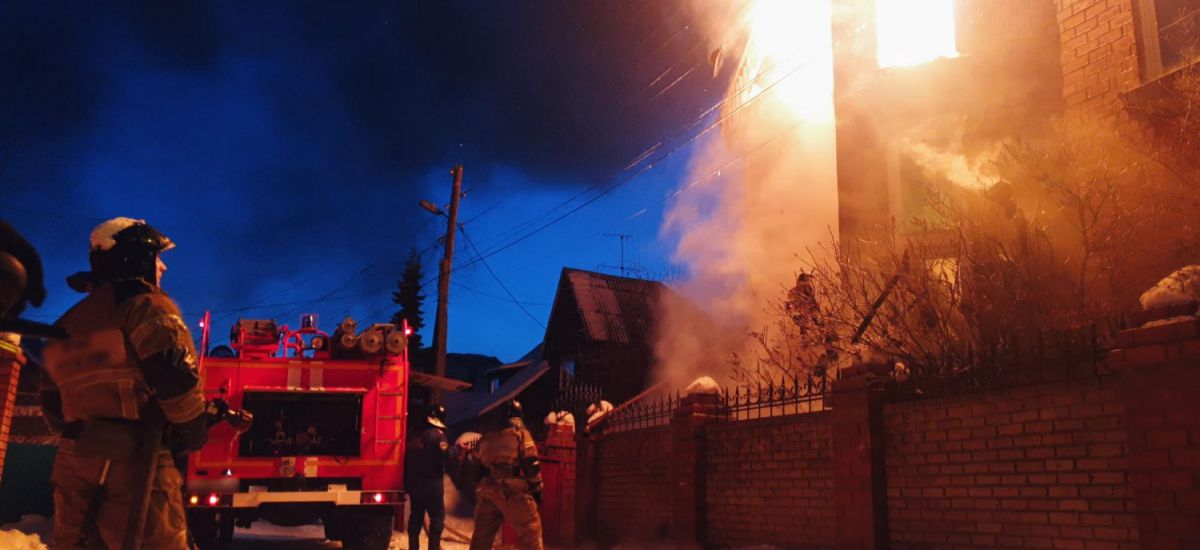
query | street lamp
(432,208)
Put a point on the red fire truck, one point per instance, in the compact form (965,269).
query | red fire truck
(326,444)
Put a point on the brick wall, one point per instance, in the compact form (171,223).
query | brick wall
(633,496)
(770,481)
(1099,52)
(1038,467)
(558,457)
(10,373)
(1160,368)
(1108,461)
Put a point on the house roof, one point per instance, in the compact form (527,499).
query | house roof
(613,309)
(467,405)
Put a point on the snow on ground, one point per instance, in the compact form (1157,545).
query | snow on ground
(24,535)
(1179,287)
(12,539)
(702,385)
(31,533)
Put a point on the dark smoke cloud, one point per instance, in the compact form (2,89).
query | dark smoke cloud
(282,136)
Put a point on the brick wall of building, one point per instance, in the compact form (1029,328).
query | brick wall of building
(1036,467)
(770,482)
(633,493)
(1099,52)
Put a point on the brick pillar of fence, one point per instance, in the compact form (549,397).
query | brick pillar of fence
(858,461)
(11,360)
(560,446)
(587,480)
(687,439)
(1160,387)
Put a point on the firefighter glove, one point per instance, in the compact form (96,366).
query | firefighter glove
(188,437)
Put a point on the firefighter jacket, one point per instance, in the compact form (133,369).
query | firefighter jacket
(127,344)
(509,456)
(426,460)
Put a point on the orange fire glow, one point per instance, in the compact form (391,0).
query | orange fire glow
(790,56)
(911,32)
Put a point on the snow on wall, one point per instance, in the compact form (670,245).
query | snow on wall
(560,418)
(702,385)
(1179,287)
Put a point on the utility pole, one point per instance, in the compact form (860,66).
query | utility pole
(439,327)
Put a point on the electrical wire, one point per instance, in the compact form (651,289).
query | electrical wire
(500,282)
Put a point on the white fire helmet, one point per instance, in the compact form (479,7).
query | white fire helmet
(103,237)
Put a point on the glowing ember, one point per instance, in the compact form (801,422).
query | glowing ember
(911,32)
(790,56)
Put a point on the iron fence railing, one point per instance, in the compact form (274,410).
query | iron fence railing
(642,415)
(1017,360)
(789,396)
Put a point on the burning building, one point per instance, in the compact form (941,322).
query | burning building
(843,119)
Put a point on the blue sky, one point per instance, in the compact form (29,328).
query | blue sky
(284,147)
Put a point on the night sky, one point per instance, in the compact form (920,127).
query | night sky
(284,147)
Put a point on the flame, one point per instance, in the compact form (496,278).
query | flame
(790,55)
(911,32)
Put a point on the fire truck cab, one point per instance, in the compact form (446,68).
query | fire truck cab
(326,444)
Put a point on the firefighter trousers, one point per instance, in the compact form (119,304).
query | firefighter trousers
(426,500)
(495,504)
(75,480)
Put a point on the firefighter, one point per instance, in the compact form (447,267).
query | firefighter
(426,461)
(20,273)
(20,285)
(125,392)
(511,489)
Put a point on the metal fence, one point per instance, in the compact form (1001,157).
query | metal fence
(1017,360)
(785,397)
(789,396)
(642,415)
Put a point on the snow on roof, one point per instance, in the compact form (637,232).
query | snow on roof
(464,406)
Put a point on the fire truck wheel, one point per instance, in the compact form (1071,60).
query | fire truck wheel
(210,529)
(225,528)
(371,528)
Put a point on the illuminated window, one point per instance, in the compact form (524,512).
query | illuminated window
(1170,35)
(911,32)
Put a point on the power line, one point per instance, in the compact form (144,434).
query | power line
(646,167)
(493,296)
(498,280)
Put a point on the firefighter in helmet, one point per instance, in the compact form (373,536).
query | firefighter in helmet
(511,489)
(20,273)
(124,390)
(426,460)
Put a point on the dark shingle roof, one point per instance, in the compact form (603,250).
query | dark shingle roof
(614,309)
